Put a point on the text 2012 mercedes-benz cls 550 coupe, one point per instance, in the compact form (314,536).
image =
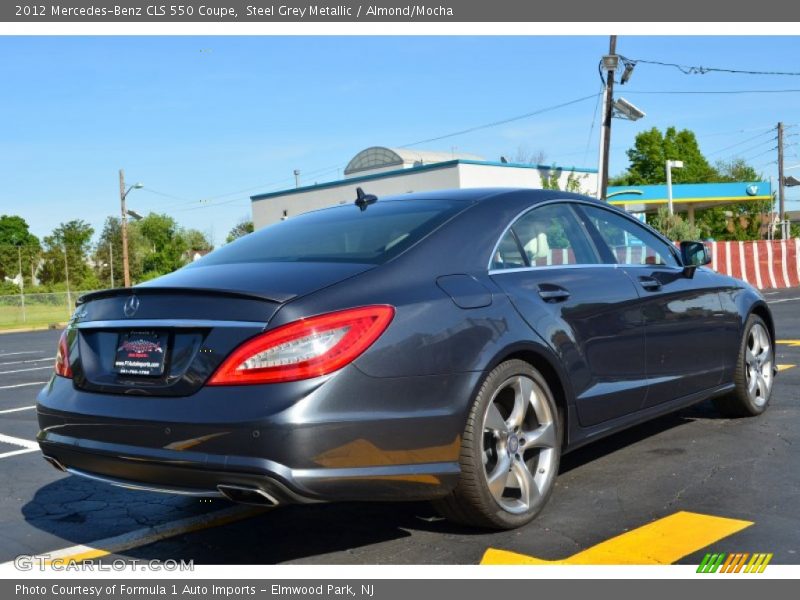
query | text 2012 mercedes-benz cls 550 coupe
(446,346)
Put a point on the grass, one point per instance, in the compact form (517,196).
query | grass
(36,315)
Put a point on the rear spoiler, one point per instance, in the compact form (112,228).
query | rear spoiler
(155,291)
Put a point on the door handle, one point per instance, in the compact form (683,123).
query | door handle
(553,293)
(650,284)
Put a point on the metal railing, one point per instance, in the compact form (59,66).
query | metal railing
(37,309)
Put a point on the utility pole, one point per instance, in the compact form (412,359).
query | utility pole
(66,276)
(111,262)
(21,283)
(781,214)
(608,111)
(297,178)
(124,224)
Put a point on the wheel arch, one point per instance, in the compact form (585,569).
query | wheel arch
(556,379)
(762,310)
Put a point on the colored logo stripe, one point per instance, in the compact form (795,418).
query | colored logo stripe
(733,563)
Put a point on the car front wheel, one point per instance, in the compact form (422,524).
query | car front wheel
(753,375)
(510,451)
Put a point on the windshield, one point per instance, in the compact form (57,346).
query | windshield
(340,234)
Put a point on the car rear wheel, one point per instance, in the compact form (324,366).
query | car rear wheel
(510,451)
(753,375)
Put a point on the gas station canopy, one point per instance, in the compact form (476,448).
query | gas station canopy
(688,197)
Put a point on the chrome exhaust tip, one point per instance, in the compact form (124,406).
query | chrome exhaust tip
(55,463)
(247,495)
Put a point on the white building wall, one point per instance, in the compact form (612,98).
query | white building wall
(271,210)
(460,175)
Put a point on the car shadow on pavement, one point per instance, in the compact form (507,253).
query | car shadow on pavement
(638,433)
(80,511)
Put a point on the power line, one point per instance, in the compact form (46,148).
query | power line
(696,92)
(755,147)
(755,137)
(700,70)
(503,121)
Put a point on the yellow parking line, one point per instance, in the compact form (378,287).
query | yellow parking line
(148,535)
(789,342)
(785,367)
(661,542)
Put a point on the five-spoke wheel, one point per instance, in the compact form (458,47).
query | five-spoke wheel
(510,450)
(754,373)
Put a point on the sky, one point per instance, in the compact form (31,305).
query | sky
(205,122)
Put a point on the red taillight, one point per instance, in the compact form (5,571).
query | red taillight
(305,348)
(62,357)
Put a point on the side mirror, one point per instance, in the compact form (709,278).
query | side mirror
(693,255)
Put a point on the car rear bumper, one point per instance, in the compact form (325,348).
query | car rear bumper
(347,437)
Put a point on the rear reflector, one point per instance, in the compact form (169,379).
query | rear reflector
(305,348)
(62,357)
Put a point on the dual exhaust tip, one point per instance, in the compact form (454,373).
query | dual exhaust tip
(241,494)
(247,495)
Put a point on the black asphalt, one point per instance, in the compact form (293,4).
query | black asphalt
(690,461)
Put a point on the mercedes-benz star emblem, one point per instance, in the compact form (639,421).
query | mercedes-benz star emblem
(131,306)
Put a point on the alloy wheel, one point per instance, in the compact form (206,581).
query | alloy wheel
(519,444)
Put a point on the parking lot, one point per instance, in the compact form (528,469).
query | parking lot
(701,482)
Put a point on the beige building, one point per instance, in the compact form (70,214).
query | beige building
(389,171)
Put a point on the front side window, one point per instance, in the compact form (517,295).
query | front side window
(629,242)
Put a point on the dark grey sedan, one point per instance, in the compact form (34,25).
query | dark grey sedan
(448,346)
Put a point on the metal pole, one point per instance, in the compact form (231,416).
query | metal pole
(125,269)
(601,153)
(111,261)
(669,187)
(66,275)
(297,178)
(781,191)
(612,49)
(21,283)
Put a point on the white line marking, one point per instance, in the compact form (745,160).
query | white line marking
(18,452)
(148,535)
(757,265)
(13,410)
(25,362)
(728,269)
(24,370)
(781,300)
(742,262)
(17,385)
(784,265)
(18,442)
(26,352)
(770,270)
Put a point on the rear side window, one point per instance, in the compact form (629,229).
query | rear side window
(629,242)
(552,235)
(340,234)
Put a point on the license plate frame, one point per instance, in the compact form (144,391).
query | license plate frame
(141,353)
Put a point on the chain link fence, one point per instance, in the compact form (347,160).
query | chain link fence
(26,310)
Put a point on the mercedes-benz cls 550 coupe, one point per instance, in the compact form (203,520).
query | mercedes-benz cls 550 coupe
(448,346)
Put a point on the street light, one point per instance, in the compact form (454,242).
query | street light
(123,194)
(671,164)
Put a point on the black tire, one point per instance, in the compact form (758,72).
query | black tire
(486,448)
(753,375)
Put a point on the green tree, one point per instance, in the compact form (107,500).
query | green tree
(196,240)
(740,221)
(73,239)
(242,228)
(108,251)
(166,245)
(673,226)
(16,241)
(652,149)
